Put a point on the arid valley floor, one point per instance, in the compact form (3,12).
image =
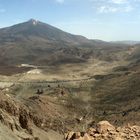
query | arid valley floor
(53,84)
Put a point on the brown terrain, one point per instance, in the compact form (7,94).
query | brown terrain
(56,86)
(105,131)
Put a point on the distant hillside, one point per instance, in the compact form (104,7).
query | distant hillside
(127,42)
(35,42)
(34,29)
(136,53)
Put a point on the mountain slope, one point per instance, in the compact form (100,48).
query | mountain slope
(33,28)
(37,43)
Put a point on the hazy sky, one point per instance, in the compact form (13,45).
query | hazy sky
(97,19)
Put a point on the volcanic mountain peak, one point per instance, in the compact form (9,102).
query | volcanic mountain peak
(38,29)
(34,21)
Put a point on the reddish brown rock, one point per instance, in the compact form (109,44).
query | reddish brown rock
(104,126)
(105,131)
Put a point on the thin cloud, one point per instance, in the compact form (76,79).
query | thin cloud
(111,9)
(2,10)
(60,1)
(107,9)
(129,8)
(114,6)
(119,1)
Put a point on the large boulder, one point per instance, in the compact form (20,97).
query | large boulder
(104,127)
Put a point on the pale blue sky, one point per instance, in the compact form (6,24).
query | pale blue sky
(96,19)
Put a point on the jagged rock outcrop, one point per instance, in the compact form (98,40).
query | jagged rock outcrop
(16,117)
(19,122)
(105,131)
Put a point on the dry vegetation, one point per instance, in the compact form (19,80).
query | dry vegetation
(69,83)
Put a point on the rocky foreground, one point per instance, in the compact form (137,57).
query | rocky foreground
(105,131)
(18,122)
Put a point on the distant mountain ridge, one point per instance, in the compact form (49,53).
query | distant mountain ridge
(38,43)
(127,42)
(35,42)
(38,29)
